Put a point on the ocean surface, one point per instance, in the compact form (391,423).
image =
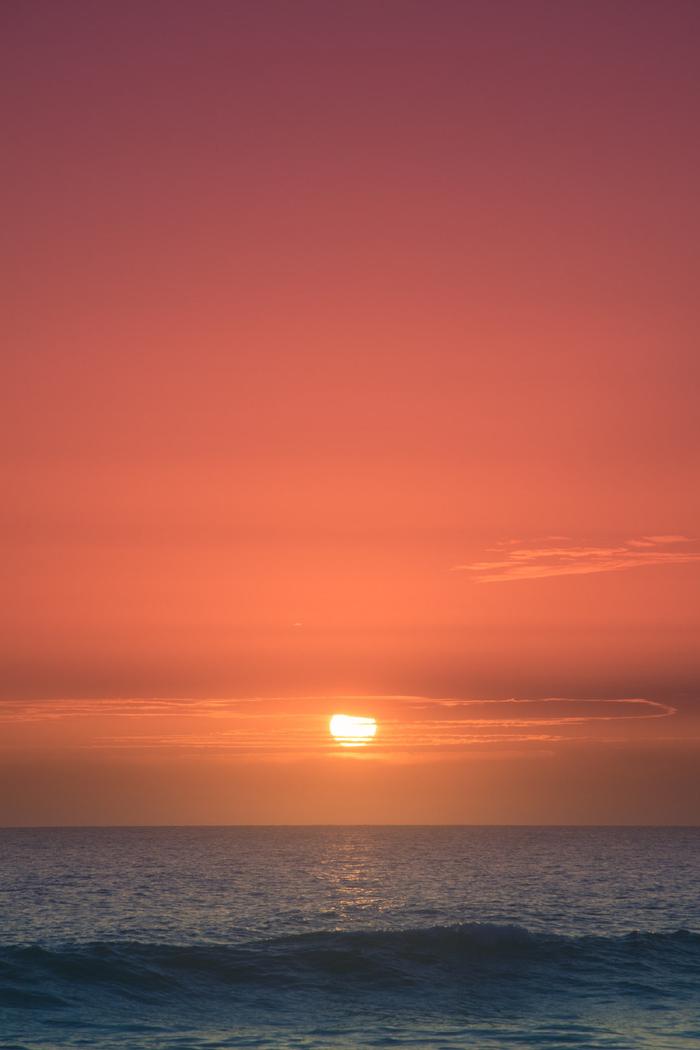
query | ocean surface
(320,937)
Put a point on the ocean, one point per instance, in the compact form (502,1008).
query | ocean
(315,937)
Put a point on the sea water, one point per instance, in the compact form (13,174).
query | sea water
(320,937)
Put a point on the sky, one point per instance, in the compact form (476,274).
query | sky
(350,366)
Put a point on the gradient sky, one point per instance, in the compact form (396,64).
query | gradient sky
(351,364)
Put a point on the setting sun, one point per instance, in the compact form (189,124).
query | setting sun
(352,730)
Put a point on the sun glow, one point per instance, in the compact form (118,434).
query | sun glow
(352,730)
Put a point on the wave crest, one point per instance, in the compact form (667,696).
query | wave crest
(461,955)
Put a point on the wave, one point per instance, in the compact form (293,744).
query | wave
(461,957)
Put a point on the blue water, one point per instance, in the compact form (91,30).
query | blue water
(350,937)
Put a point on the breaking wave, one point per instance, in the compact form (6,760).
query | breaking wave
(458,958)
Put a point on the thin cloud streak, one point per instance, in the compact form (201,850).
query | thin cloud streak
(296,726)
(539,562)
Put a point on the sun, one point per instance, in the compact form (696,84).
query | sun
(352,730)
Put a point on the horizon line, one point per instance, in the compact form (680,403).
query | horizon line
(325,824)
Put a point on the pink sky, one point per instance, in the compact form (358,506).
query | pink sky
(350,357)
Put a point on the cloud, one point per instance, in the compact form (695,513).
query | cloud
(275,727)
(549,559)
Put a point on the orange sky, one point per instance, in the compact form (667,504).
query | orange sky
(350,364)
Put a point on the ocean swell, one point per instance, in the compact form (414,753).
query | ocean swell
(459,958)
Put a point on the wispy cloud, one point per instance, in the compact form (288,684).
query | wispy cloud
(554,557)
(298,726)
